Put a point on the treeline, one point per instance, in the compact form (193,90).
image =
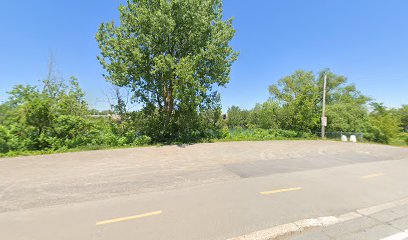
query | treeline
(54,116)
(295,104)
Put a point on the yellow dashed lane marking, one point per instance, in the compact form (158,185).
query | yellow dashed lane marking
(373,175)
(128,218)
(280,190)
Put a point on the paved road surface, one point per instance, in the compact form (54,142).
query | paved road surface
(390,224)
(202,191)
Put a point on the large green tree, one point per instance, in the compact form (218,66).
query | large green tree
(298,96)
(383,125)
(346,106)
(299,101)
(171,54)
(237,117)
(403,113)
(266,115)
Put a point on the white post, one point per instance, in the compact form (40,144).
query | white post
(324,119)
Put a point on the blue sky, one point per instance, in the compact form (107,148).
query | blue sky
(367,41)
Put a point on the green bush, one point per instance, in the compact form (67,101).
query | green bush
(264,134)
(142,140)
(400,140)
(74,131)
(375,134)
(122,141)
(4,138)
(22,138)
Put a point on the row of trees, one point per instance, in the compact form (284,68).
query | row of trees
(295,104)
(54,115)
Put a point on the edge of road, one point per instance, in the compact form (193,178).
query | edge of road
(288,229)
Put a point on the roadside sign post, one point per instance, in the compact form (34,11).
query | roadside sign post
(324,119)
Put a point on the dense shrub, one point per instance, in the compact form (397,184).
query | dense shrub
(264,134)
(142,140)
(4,140)
(74,131)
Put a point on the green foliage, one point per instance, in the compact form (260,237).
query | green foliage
(404,136)
(382,125)
(346,117)
(297,95)
(257,134)
(346,107)
(171,54)
(72,100)
(266,115)
(237,117)
(37,112)
(4,139)
(295,105)
(142,140)
(337,90)
(51,118)
(401,139)
(56,118)
(402,113)
(72,131)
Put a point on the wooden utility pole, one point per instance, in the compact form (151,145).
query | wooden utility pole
(324,119)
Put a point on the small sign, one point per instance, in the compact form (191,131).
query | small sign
(324,121)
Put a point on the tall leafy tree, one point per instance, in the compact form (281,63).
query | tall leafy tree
(237,117)
(346,107)
(266,115)
(403,113)
(71,100)
(383,125)
(298,96)
(171,53)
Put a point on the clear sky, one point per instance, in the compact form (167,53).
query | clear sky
(367,41)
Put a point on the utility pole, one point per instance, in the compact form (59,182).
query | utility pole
(324,119)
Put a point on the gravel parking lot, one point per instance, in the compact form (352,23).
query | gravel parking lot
(36,181)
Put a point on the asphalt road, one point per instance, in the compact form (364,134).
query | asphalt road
(202,191)
(388,224)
